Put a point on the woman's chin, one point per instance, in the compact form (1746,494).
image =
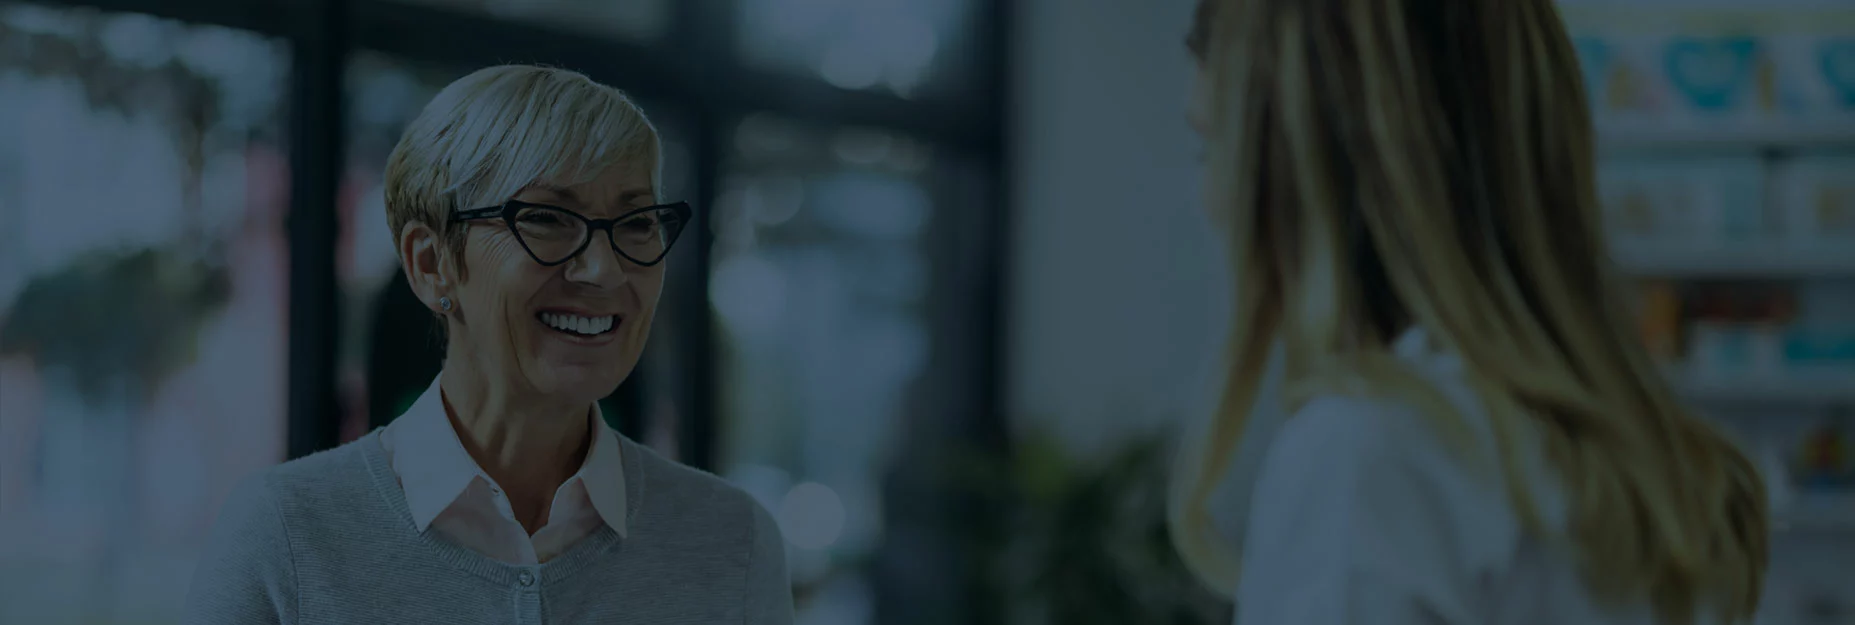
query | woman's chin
(578,381)
(574,369)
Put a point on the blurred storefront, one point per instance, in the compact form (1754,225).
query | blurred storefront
(167,288)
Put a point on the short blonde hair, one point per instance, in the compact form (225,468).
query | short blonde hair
(499,129)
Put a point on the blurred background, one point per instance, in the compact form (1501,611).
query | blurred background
(948,292)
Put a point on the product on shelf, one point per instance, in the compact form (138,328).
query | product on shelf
(1716,340)
(1695,69)
(1661,321)
(1718,75)
(1825,460)
(1820,348)
(1836,56)
(1685,76)
(1621,78)
(1823,335)
(1739,329)
(1818,73)
(1768,317)
(1689,199)
(1774,466)
(1816,194)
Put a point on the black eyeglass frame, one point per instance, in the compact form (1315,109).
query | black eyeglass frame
(508,210)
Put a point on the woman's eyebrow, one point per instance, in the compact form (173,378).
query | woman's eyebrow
(629,197)
(554,191)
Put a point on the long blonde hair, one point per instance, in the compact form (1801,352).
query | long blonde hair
(1379,164)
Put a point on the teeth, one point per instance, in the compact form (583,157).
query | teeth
(578,324)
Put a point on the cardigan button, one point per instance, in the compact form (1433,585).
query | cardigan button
(526,579)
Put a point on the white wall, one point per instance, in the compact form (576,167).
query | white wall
(1115,288)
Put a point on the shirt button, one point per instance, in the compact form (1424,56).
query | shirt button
(525,579)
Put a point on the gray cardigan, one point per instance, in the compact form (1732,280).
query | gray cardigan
(328,539)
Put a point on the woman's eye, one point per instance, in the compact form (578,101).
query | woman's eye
(540,219)
(641,224)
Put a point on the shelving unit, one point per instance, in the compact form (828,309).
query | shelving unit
(1812,514)
(1690,173)
(1751,259)
(1714,137)
(1787,389)
(1816,525)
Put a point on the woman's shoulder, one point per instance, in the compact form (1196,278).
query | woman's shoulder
(690,515)
(248,567)
(342,465)
(309,487)
(1373,439)
(1364,435)
(672,489)
(1329,443)
(1390,458)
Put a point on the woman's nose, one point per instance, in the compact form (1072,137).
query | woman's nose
(598,266)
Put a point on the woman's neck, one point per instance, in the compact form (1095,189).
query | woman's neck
(528,444)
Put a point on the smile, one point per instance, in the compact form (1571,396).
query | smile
(578,325)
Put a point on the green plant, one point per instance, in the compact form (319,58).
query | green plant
(1083,540)
(115,319)
(119,321)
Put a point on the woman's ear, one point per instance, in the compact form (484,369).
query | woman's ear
(422,257)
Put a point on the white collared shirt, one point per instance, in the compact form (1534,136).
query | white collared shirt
(449,493)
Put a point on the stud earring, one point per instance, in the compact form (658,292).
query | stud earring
(444,302)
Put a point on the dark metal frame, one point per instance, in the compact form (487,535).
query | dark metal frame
(316,86)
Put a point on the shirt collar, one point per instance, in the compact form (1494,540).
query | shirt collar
(434,469)
(603,473)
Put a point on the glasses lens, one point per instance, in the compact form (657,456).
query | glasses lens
(646,236)
(551,234)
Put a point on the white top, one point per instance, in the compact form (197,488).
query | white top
(448,492)
(1355,512)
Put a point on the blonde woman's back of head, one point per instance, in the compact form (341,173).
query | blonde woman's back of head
(1383,163)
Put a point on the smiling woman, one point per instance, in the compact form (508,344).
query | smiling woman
(526,211)
(116,429)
